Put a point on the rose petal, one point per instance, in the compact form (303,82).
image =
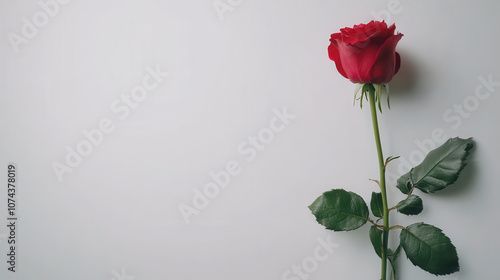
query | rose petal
(398,63)
(384,67)
(374,30)
(358,59)
(334,55)
(366,53)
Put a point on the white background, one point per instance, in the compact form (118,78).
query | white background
(116,215)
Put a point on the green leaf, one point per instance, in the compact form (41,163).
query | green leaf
(376,239)
(376,235)
(393,272)
(439,169)
(428,248)
(376,205)
(340,210)
(408,187)
(412,205)
(393,256)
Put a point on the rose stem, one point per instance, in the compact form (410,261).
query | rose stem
(382,181)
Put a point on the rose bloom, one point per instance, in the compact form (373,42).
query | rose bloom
(366,53)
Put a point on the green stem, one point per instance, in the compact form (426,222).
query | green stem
(385,238)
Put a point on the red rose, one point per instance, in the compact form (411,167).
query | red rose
(366,53)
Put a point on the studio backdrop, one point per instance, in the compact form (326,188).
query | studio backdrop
(185,140)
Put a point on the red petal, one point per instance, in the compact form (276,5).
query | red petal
(358,60)
(398,63)
(385,65)
(333,53)
(374,30)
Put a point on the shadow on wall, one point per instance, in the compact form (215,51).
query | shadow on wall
(407,77)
